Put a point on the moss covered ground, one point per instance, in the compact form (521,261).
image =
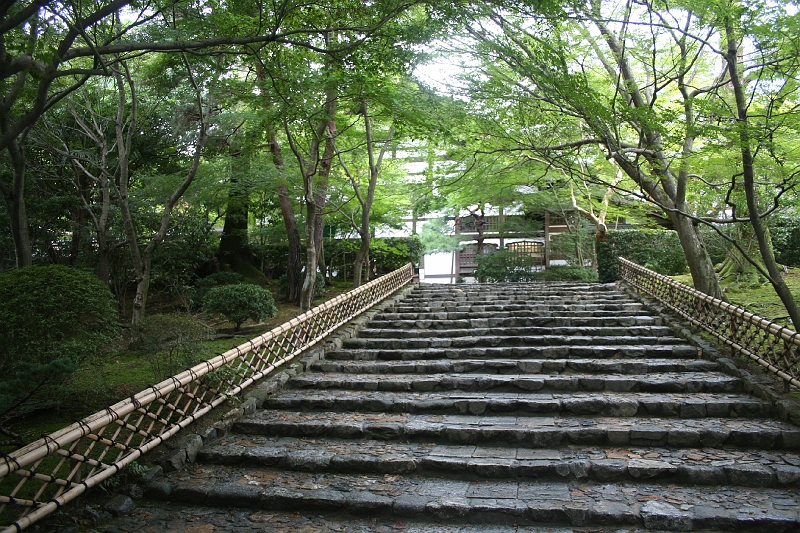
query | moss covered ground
(759,299)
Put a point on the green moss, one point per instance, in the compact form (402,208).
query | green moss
(759,299)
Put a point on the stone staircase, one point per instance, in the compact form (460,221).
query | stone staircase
(510,408)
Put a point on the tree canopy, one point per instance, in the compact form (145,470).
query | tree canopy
(157,142)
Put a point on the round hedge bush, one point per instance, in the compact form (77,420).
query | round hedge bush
(53,319)
(240,302)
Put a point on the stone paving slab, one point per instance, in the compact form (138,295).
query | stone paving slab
(751,468)
(520,352)
(497,339)
(537,432)
(514,366)
(509,502)
(632,331)
(492,320)
(695,405)
(155,517)
(655,382)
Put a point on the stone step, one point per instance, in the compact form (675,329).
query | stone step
(511,502)
(517,366)
(519,352)
(655,465)
(696,405)
(688,382)
(504,291)
(475,341)
(527,431)
(631,331)
(484,311)
(534,319)
(529,307)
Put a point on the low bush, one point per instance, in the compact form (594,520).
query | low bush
(172,342)
(505,266)
(197,293)
(53,319)
(659,250)
(240,302)
(566,273)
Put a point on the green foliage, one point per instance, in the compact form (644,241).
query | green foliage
(659,250)
(131,472)
(785,233)
(566,273)
(171,342)
(436,236)
(195,295)
(240,302)
(388,254)
(509,266)
(283,286)
(505,266)
(53,319)
(391,253)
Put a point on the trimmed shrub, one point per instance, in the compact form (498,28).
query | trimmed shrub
(172,342)
(53,319)
(195,295)
(566,273)
(659,250)
(240,302)
(505,266)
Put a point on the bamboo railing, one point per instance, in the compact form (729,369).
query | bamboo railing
(774,347)
(39,478)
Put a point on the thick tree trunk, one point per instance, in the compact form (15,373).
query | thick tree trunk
(233,243)
(700,265)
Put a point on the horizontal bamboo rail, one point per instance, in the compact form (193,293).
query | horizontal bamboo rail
(39,478)
(775,347)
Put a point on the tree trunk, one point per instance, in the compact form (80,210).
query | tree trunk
(700,265)
(361,256)
(294,261)
(748,172)
(233,249)
(14,197)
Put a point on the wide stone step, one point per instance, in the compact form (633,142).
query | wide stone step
(689,382)
(632,331)
(534,319)
(519,352)
(517,366)
(516,502)
(460,312)
(527,431)
(655,465)
(697,405)
(508,340)
(522,305)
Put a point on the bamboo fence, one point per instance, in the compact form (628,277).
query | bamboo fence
(771,345)
(39,478)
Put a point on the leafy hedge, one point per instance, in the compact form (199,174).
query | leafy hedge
(659,250)
(387,253)
(52,320)
(785,233)
(240,302)
(505,266)
(508,266)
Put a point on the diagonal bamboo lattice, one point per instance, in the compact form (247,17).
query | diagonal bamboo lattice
(775,347)
(39,478)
